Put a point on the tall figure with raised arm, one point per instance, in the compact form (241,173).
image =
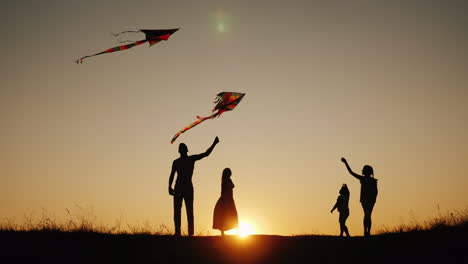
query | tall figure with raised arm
(368,193)
(183,190)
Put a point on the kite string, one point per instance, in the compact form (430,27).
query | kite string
(218,99)
(128,31)
(125,41)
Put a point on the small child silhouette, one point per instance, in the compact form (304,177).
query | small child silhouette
(342,206)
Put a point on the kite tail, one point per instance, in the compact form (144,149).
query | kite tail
(200,119)
(114,49)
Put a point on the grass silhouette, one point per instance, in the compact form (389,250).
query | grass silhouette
(454,219)
(80,238)
(82,219)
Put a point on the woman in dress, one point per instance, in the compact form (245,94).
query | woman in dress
(225,213)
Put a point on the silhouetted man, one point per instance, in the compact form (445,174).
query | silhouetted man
(183,187)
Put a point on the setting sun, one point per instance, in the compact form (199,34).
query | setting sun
(245,229)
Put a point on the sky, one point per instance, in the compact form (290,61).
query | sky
(382,83)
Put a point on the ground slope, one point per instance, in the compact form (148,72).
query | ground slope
(437,246)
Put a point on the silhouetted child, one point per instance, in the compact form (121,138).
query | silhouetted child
(225,212)
(343,209)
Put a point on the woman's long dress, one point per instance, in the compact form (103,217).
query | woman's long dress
(225,213)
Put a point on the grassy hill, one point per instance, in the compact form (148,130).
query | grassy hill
(440,245)
(442,239)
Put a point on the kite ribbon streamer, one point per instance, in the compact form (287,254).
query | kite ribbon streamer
(200,119)
(225,101)
(118,48)
(152,36)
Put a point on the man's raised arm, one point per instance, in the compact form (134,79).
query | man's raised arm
(208,151)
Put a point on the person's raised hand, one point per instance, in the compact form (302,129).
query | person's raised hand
(216,140)
(343,160)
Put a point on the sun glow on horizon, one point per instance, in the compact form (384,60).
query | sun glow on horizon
(244,230)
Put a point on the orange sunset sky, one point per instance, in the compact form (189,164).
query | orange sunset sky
(382,83)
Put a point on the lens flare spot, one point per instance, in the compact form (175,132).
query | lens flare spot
(221,21)
(221,28)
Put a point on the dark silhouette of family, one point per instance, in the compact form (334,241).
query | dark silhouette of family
(225,213)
